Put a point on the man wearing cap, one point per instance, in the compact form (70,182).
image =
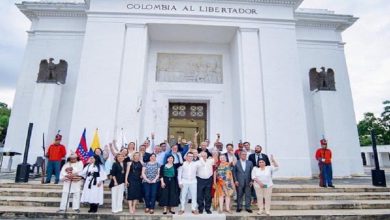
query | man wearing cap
(324,158)
(72,182)
(55,153)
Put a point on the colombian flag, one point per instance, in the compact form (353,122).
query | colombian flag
(95,143)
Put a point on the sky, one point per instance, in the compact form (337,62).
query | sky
(367,49)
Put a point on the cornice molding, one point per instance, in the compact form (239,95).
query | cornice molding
(291,3)
(324,20)
(34,10)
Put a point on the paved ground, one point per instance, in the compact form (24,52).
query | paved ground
(330,213)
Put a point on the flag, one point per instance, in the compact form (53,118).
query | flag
(82,149)
(95,143)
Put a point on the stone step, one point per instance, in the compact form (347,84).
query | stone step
(276,205)
(276,189)
(11,212)
(27,192)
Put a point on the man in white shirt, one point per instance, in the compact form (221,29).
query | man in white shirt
(160,155)
(187,182)
(247,148)
(72,183)
(204,176)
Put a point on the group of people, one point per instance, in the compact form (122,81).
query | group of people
(172,174)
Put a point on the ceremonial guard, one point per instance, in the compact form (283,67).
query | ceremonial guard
(55,153)
(70,174)
(324,158)
(93,192)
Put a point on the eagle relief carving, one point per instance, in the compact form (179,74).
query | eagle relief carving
(50,72)
(323,80)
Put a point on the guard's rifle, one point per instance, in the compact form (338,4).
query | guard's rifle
(44,160)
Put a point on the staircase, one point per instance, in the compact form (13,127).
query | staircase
(33,200)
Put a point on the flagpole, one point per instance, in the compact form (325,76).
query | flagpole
(122,137)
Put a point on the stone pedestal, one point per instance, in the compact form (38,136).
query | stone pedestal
(43,113)
(333,123)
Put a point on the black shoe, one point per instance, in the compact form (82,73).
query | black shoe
(238,210)
(200,211)
(172,212)
(248,210)
(208,212)
(332,186)
(323,186)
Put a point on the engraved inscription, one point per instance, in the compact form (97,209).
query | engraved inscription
(194,68)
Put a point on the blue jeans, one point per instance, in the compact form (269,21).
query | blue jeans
(327,173)
(53,166)
(150,194)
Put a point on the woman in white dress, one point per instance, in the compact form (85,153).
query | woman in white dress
(262,182)
(93,192)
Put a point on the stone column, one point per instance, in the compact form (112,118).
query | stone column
(44,111)
(251,89)
(132,80)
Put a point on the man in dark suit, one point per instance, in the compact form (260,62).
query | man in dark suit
(242,176)
(255,157)
(144,155)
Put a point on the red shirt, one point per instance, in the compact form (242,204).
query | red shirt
(237,152)
(324,153)
(56,152)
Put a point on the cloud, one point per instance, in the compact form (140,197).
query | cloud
(13,37)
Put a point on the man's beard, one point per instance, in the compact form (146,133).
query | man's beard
(257,151)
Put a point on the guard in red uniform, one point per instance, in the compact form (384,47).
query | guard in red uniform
(324,158)
(55,153)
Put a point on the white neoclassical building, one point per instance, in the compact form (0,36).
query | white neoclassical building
(235,67)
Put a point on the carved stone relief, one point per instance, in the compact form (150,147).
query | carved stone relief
(193,68)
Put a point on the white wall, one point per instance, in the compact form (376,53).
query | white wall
(98,82)
(60,39)
(218,96)
(287,133)
(324,48)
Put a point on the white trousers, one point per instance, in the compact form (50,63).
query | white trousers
(183,196)
(75,200)
(117,197)
(265,193)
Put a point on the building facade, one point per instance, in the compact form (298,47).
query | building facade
(235,67)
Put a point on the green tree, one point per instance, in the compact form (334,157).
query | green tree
(385,121)
(381,125)
(5,113)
